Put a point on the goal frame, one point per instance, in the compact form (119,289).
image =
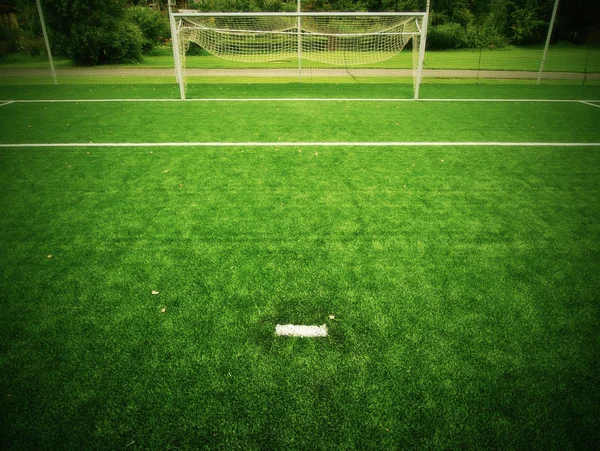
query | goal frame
(299,14)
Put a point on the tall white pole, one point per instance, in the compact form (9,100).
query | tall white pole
(45,33)
(299,24)
(550,30)
(422,44)
(176,49)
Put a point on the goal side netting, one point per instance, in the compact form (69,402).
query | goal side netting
(297,47)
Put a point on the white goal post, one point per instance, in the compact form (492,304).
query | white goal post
(299,47)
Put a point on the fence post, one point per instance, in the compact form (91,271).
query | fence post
(550,29)
(45,33)
(585,67)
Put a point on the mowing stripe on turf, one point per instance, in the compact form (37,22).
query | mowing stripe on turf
(314,144)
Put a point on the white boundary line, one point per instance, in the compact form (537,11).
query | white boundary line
(314,144)
(91,100)
(2,102)
(587,102)
(509,100)
(297,99)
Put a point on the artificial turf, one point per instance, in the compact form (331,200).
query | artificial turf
(296,121)
(432,90)
(463,281)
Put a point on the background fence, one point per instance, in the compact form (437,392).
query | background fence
(136,51)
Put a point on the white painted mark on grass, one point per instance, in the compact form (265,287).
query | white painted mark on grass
(508,100)
(315,144)
(93,100)
(6,103)
(295,330)
(590,104)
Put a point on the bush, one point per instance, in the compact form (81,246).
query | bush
(120,43)
(34,46)
(446,36)
(455,36)
(196,50)
(478,37)
(154,25)
(526,28)
(11,40)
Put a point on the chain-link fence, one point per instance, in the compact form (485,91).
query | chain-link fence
(565,63)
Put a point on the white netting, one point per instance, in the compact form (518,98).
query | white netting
(335,40)
(304,47)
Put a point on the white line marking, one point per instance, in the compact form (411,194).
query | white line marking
(314,144)
(6,103)
(293,330)
(296,99)
(509,100)
(590,104)
(93,100)
(311,99)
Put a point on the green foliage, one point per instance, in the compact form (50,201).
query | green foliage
(34,46)
(153,25)
(94,31)
(525,25)
(244,5)
(462,16)
(11,40)
(394,5)
(196,50)
(454,36)
(477,37)
(91,45)
(447,36)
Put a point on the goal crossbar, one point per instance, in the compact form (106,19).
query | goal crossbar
(294,14)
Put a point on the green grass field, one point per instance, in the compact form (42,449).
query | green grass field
(463,280)
(295,90)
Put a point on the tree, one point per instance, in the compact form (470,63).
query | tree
(154,25)
(94,31)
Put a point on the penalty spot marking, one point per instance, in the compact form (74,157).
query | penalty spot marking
(294,330)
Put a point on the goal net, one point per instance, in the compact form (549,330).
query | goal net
(297,48)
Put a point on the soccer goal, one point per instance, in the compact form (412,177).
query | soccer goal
(300,47)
